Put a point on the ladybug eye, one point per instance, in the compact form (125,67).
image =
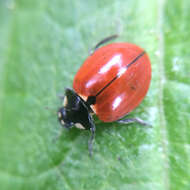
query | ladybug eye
(65,101)
(59,115)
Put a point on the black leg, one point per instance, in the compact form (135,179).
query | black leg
(133,120)
(90,142)
(103,42)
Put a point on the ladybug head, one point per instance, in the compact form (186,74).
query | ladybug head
(75,112)
(63,117)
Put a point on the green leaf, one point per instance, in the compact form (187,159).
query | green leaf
(42,45)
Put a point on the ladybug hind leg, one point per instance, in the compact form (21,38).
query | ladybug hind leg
(105,40)
(133,120)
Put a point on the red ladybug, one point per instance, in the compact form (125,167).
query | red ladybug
(113,81)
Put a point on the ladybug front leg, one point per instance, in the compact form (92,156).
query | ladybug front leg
(133,120)
(105,40)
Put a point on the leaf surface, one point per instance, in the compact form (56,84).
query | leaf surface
(42,45)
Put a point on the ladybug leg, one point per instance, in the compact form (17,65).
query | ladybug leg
(105,40)
(90,142)
(133,120)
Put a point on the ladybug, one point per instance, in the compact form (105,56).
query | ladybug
(112,82)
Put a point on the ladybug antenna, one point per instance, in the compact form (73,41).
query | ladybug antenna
(52,110)
(90,142)
(120,73)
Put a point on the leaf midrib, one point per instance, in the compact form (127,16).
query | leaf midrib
(162,79)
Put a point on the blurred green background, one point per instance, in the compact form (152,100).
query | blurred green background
(42,45)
